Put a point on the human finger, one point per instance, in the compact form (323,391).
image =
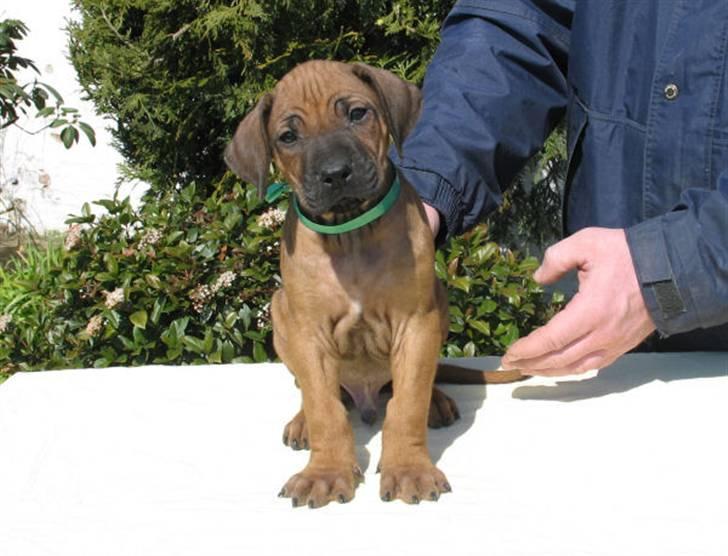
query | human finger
(563,358)
(590,362)
(573,322)
(561,258)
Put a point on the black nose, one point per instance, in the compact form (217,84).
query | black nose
(335,174)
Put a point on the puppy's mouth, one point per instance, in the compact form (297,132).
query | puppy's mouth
(353,204)
(329,210)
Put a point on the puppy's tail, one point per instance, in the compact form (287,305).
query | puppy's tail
(453,374)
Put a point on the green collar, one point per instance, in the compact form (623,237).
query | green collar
(377,211)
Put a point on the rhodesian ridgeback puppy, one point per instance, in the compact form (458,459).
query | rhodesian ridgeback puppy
(359,308)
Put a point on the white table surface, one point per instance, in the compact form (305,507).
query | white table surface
(159,461)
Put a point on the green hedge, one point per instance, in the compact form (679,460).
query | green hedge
(189,280)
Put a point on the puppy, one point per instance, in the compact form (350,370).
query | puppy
(360,306)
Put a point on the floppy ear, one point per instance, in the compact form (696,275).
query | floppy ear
(248,154)
(400,100)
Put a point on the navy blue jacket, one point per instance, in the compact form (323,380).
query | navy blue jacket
(643,86)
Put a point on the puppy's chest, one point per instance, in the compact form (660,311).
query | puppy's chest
(368,304)
(360,297)
(361,330)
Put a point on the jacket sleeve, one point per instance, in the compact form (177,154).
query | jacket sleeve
(681,260)
(494,90)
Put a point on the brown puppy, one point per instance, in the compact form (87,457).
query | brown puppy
(357,309)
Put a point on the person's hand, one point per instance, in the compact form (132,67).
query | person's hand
(433,218)
(605,319)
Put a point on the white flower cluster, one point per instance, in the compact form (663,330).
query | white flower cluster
(114,299)
(272,218)
(5,320)
(94,326)
(201,295)
(263,316)
(149,239)
(223,281)
(73,237)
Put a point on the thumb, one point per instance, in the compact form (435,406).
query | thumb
(560,258)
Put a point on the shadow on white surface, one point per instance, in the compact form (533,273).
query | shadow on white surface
(628,373)
(469,400)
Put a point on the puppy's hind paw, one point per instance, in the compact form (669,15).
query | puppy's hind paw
(443,410)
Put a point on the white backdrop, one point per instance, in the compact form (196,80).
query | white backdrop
(187,461)
(79,175)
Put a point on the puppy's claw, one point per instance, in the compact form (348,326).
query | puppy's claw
(415,499)
(342,499)
(294,502)
(282,493)
(358,474)
(434,496)
(387,497)
(447,487)
(294,444)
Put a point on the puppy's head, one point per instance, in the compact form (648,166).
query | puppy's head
(327,125)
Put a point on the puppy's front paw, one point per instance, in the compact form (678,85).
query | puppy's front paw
(412,483)
(317,486)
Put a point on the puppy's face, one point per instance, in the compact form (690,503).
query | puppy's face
(327,125)
(329,138)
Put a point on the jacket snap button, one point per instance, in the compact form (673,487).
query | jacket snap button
(671,91)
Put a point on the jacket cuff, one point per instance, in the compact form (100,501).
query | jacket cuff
(437,192)
(668,301)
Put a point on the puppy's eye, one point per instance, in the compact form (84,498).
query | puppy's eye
(357,114)
(288,137)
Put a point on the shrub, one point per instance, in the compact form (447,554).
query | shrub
(182,280)
(529,218)
(186,280)
(492,296)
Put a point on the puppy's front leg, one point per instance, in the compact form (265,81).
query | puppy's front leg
(406,468)
(332,472)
